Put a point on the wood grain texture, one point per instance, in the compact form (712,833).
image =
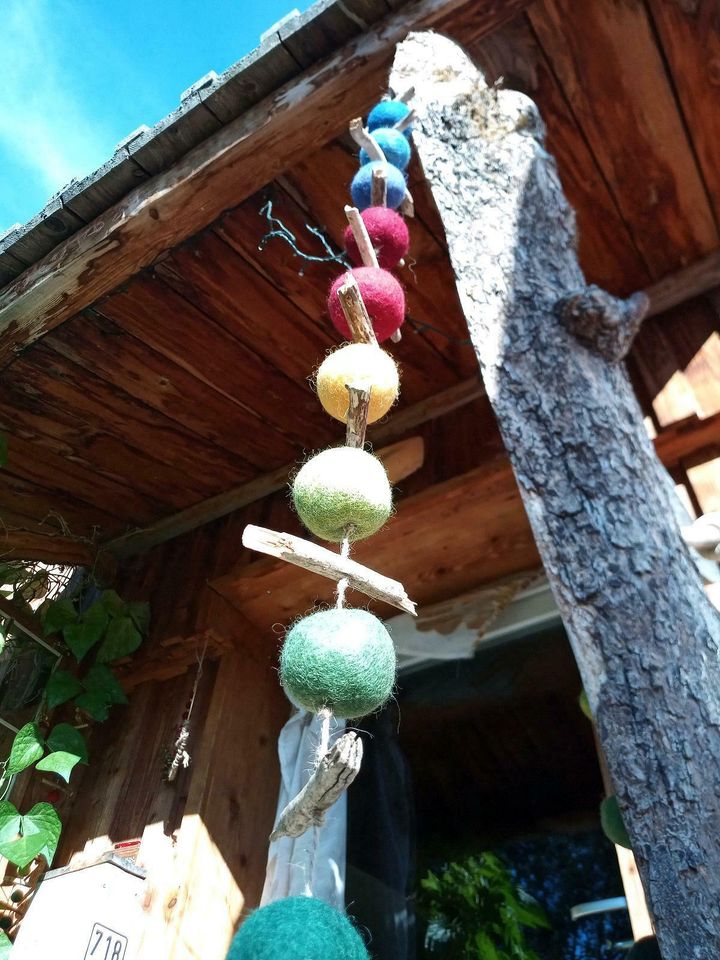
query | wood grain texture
(689,35)
(154,313)
(213,177)
(607,251)
(638,137)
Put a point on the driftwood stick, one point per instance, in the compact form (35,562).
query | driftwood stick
(355,312)
(378,188)
(357,416)
(396,335)
(320,560)
(407,207)
(332,776)
(406,121)
(362,238)
(407,96)
(363,138)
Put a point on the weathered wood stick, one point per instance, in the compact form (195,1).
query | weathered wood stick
(362,238)
(396,335)
(378,188)
(406,121)
(363,138)
(332,776)
(320,560)
(357,415)
(408,95)
(407,207)
(355,312)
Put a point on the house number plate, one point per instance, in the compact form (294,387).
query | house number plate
(105,944)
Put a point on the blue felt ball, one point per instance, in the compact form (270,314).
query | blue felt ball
(361,187)
(297,928)
(387,113)
(393,144)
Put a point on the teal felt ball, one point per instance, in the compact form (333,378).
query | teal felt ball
(361,186)
(393,144)
(297,928)
(342,659)
(341,490)
(386,114)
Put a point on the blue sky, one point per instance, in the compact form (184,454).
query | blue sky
(79,75)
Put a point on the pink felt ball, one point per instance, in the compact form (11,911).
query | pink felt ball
(388,234)
(383,297)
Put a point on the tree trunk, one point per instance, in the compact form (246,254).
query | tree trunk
(644,635)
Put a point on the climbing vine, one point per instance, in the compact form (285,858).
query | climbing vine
(91,629)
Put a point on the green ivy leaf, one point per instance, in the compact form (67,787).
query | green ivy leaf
(9,820)
(101,680)
(59,762)
(22,850)
(66,738)
(112,603)
(612,822)
(3,450)
(93,703)
(89,629)
(61,687)
(140,614)
(121,639)
(39,833)
(57,615)
(5,945)
(28,746)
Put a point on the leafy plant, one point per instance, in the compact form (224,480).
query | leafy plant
(477,912)
(113,629)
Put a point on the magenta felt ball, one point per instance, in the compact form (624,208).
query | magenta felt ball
(383,296)
(388,234)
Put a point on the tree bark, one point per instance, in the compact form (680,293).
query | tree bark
(644,635)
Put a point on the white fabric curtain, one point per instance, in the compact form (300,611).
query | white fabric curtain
(313,864)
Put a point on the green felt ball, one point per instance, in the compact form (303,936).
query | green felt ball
(297,928)
(341,659)
(342,488)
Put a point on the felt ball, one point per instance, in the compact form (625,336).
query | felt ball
(393,144)
(362,365)
(387,113)
(342,487)
(382,295)
(361,186)
(340,659)
(297,928)
(388,234)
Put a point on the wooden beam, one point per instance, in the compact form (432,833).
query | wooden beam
(700,277)
(217,175)
(689,442)
(443,541)
(26,545)
(400,460)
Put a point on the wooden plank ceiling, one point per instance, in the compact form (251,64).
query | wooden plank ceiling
(192,377)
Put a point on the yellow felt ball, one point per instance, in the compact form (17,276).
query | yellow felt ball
(359,365)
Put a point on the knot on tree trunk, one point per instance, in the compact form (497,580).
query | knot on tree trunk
(604,323)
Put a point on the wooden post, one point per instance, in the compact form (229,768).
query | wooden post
(646,640)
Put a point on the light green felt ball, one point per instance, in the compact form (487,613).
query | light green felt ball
(339,488)
(297,928)
(340,659)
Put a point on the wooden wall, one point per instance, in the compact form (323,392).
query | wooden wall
(204,836)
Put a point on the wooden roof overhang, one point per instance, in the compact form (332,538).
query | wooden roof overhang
(156,361)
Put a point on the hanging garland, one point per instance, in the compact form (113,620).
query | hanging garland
(342,661)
